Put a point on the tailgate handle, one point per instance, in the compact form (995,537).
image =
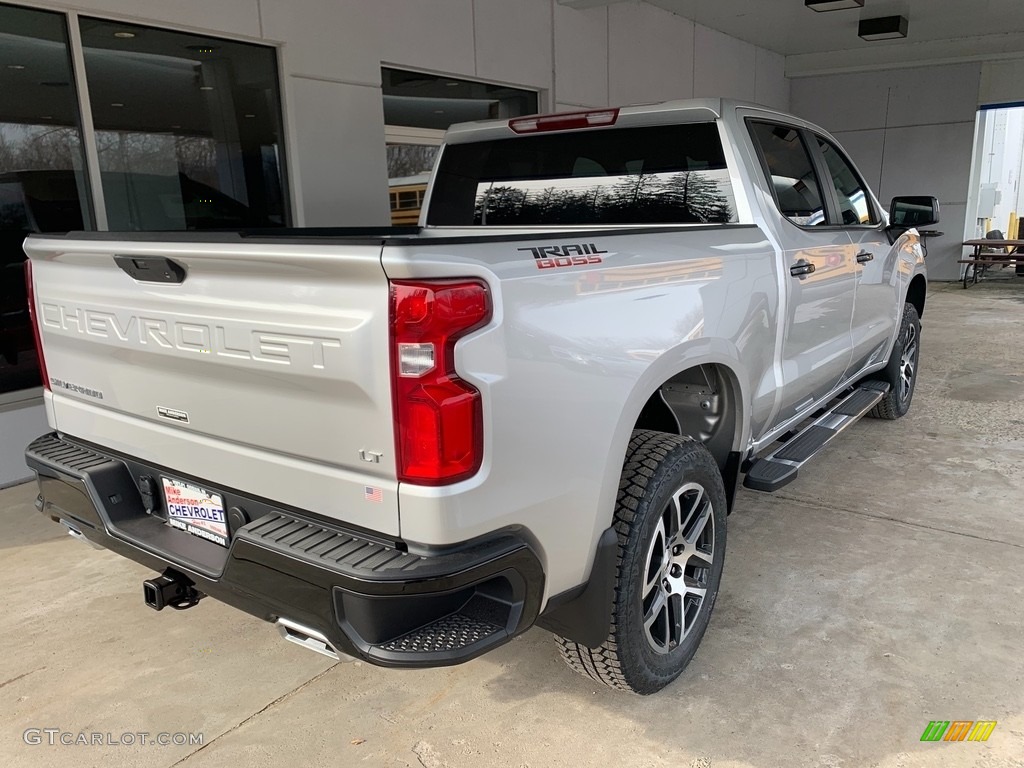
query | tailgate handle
(151,269)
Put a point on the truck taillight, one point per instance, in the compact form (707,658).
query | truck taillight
(438,416)
(30,291)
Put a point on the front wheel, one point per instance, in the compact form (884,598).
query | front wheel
(670,520)
(901,370)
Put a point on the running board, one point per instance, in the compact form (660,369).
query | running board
(780,467)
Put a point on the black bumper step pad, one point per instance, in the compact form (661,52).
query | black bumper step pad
(331,547)
(52,449)
(452,633)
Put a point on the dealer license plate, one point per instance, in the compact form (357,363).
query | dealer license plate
(195,510)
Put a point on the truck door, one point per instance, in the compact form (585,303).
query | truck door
(877,302)
(819,267)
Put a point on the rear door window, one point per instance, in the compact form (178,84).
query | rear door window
(673,174)
(795,184)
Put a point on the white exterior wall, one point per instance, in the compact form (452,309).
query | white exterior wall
(19,425)
(1002,82)
(632,53)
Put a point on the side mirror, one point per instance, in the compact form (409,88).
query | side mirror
(908,212)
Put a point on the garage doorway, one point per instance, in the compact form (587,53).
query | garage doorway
(996,199)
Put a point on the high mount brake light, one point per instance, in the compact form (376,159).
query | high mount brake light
(30,291)
(564,121)
(438,416)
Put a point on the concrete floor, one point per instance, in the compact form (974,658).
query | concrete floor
(881,590)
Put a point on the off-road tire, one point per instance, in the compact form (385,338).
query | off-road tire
(658,467)
(897,400)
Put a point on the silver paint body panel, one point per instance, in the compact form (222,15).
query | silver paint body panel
(278,352)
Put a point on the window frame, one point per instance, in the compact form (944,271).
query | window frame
(94,199)
(828,201)
(92,216)
(287,146)
(830,196)
(834,193)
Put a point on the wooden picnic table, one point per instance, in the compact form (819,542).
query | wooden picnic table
(980,261)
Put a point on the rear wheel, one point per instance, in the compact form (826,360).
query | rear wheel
(670,521)
(901,370)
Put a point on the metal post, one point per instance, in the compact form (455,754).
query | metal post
(92,157)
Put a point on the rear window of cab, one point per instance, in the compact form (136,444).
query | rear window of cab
(667,174)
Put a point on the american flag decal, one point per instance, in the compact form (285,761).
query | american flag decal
(376,495)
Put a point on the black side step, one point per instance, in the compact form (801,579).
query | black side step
(780,467)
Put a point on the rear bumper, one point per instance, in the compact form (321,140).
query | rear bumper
(367,596)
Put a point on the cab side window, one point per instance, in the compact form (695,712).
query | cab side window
(790,170)
(854,203)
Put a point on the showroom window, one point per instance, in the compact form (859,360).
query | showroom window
(418,108)
(188,129)
(43,185)
(183,132)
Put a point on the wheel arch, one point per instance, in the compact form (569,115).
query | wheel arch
(581,614)
(670,397)
(917,292)
(701,402)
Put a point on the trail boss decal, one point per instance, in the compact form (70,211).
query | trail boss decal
(570,255)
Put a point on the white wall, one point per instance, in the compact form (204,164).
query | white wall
(1002,82)
(632,53)
(911,132)
(18,427)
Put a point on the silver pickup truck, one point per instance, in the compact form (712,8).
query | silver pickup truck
(410,445)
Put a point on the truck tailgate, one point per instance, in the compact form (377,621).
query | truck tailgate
(265,369)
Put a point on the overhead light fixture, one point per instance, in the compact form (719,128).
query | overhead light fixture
(833,5)
(15,66)
(124,34)
(205,87)
(116,104)
(883,28)
(250,114)
(452,84)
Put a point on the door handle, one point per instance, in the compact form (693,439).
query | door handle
(864,257)
(801,269)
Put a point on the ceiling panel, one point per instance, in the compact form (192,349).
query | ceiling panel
(789,28)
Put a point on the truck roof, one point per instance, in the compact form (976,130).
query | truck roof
(658,113)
